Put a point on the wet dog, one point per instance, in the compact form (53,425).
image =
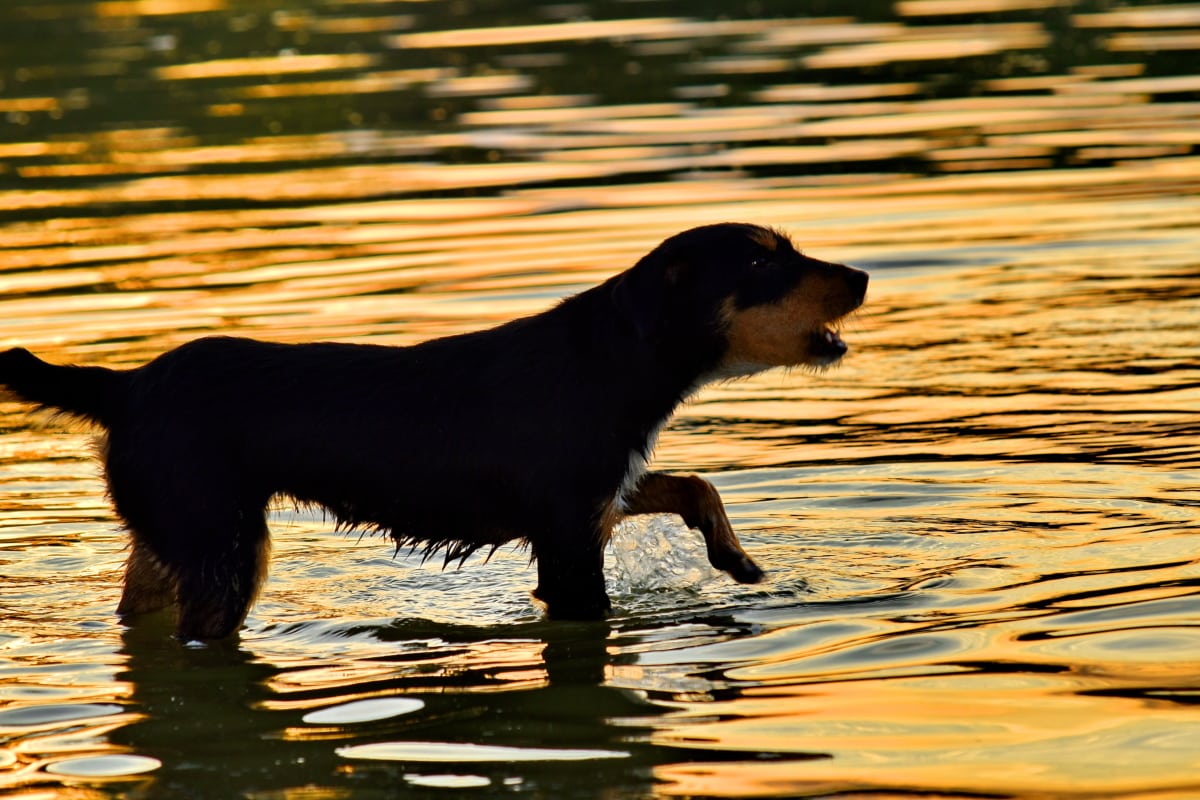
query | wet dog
(537,430)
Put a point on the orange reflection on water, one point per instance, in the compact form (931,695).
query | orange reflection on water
(1141,42)
(154,8)
(585,30)
(933,44)
(272,65)
(962,732)
(937,8)
(17,105)
(1156,16)
(369,83)
(817,93)
(26,149)
(976,528)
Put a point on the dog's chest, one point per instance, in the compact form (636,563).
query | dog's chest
(639,456)
(639,459)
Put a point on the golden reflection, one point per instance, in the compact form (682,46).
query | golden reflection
(936,8)
(226,110)
(836,30)
(308,792)
(17,105)
(537,101)
(934,44)
(480,85)
(535,34)
(150,8)
(817,93)
(618,154)
(1134,151)
(839,151)
(353,25)
(996,478)
(1086,115)
(584,30)
(1022,153)
(746,778)
(1012,732)
(1140,86)
(1181,135)
(84,170)
(1034,83)
(481,666)
(34,149)
(738,65)
(272,65)
(570,112)
(1141,42)
(367,83)
(1156,16)
(996,161)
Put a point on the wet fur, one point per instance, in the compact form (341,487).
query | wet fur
(537,430)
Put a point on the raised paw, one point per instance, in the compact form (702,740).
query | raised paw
(743,570)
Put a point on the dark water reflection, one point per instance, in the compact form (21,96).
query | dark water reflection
(983,578)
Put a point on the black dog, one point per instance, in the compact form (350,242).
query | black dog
(538,430)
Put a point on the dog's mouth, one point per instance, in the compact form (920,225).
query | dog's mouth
(826,346)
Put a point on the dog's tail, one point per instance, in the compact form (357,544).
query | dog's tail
(93,393)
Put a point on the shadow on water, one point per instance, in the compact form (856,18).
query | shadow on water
(524,708)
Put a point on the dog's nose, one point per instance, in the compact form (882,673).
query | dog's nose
(858,282)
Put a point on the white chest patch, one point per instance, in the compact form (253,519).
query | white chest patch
(639,458)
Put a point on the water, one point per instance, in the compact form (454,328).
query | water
(979,529)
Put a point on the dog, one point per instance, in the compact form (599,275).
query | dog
(538,430)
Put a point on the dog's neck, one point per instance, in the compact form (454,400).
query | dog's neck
(655,374)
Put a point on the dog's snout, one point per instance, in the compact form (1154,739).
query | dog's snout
(858,282)
(853,282)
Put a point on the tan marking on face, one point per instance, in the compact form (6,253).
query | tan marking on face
(780,334)
(774,335)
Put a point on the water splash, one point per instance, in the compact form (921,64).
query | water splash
(657,552)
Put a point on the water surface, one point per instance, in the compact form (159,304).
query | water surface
(979,529)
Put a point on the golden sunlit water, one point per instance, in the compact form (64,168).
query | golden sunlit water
(980,530)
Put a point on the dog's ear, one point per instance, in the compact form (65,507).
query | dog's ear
(638,301)
(638,296)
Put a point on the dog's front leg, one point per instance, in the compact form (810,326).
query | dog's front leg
(571,577)
(699,503)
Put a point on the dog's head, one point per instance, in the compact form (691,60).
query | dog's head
(740,298)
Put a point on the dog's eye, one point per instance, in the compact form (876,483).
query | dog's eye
(760,263)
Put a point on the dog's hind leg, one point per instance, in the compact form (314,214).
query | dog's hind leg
(216,593)
(210,566)
(220,574)
(699,503)
(148,586)
(197,540)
